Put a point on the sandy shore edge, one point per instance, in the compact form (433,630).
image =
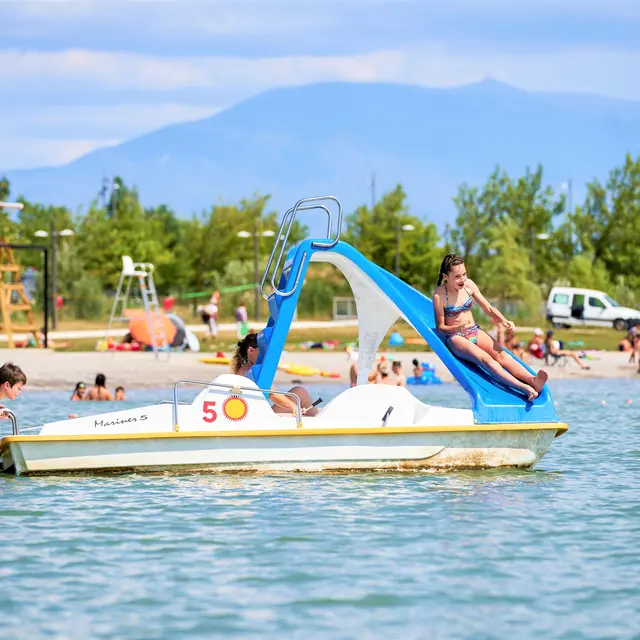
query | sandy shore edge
(51,370)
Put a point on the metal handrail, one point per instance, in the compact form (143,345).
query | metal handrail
(283,235)
(291,214)
(236,389)
(15,424)
(287,221)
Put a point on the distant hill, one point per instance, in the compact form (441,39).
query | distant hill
(328,138)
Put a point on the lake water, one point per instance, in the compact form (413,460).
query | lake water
(548,553)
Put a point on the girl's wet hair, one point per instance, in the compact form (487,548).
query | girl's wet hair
(450,260)
(240,356)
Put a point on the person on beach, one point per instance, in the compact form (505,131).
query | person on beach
(535,346)
(353,374)
(120,394)
(12,379)
(384,377)
(552,348)
(242,319)
(515,346)
(99,391)
(246,356)
(79,393)
(400,379)
(212,312)
(452,302)
(633,339)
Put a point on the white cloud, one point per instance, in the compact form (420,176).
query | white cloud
(26,153)
(119,121)
(58,134)
(612,73)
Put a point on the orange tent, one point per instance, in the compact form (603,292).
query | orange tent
(141,331)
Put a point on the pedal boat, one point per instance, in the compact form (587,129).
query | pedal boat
(230,426)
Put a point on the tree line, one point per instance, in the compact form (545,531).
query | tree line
(519,237)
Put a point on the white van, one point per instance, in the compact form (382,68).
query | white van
(569,306)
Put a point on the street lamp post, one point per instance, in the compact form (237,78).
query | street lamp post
(256,259)
(404,227)
(533,236)
(54,269)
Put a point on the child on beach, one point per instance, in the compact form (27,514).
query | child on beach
(12,379)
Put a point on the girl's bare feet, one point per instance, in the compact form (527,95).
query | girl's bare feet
(532,394)
(540,380)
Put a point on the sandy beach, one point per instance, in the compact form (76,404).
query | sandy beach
(60,370)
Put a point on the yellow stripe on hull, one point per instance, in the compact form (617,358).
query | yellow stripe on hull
(559,427)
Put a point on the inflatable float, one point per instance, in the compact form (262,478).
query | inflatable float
(230,426)
(428,375)
(215,360)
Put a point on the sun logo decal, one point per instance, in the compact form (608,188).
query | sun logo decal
(235,408)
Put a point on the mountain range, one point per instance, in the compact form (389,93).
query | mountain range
(330,138)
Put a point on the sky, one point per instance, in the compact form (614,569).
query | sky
(79,75)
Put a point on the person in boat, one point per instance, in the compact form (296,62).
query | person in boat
(452,302)
(120,393)
(99,391)
(12,379)
(79,393)
(246,356)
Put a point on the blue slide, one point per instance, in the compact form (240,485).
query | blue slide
(492,401)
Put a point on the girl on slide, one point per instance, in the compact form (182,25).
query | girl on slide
(452,302)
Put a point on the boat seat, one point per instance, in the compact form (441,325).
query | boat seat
(365,405)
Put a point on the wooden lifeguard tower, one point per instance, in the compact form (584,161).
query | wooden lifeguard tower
(9,284)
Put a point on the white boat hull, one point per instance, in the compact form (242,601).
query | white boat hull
(233,430)
(395,449)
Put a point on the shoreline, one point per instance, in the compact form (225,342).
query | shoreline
(50,370)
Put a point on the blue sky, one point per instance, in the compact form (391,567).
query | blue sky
(79,75)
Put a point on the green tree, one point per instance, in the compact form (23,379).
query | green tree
(104,237)
(7,227)
(606,226)
(212,240)
(38,217)
(585,271)
(379,236)
(5,189)
(506,273)
(175,274)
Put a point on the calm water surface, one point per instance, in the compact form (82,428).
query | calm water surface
(549,553)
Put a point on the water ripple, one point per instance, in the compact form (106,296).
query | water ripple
(547,553)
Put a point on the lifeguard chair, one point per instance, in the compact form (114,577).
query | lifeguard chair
(137,277)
